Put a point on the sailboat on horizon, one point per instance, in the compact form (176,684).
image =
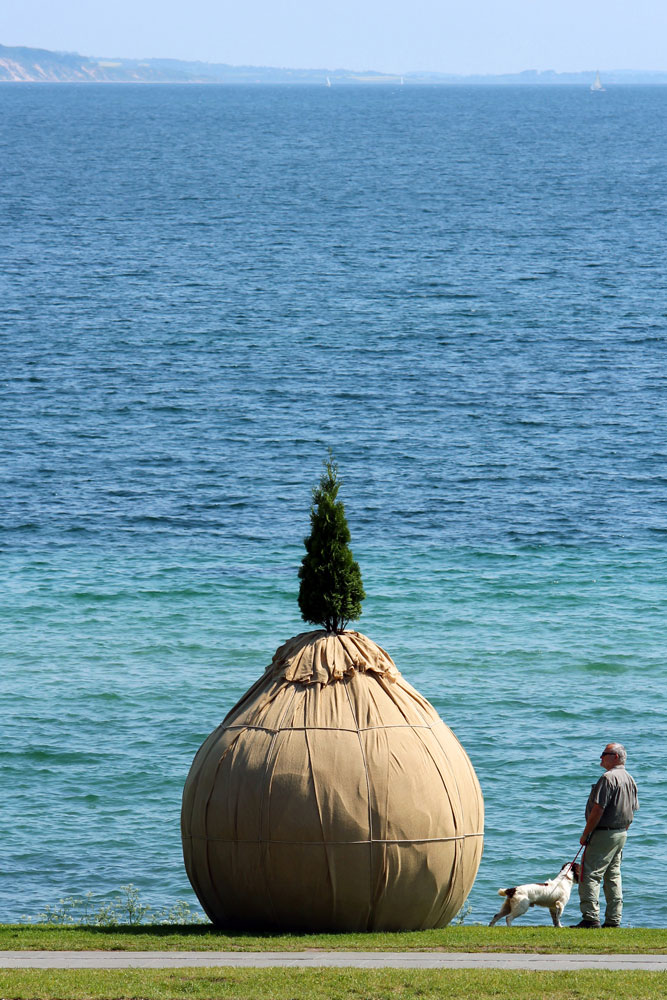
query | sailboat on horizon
(596,85)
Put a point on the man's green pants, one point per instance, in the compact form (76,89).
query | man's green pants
(602,863)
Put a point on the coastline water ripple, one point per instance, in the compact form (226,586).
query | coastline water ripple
(461,290)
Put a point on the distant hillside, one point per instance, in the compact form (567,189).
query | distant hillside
(42,66)
(20,65)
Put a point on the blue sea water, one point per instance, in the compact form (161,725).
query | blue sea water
(462,292)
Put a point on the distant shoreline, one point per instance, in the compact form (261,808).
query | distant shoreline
(348,85)
(28,65)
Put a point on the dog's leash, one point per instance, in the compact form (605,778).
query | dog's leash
(570,866)
(583,846)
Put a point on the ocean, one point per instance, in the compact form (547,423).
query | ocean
(461,292)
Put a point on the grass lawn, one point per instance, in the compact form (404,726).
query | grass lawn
(203,937)
(328,984)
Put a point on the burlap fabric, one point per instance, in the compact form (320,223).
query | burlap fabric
(332,796)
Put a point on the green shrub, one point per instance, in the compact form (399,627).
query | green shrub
(331,590)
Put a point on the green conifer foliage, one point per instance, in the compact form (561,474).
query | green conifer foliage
(331,590)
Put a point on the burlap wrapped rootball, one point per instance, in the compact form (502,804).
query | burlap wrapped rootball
(332,797)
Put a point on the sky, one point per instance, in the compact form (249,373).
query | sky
(397,36)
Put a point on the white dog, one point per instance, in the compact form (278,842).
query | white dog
(553,894)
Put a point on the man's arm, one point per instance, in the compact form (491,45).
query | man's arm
(592,821)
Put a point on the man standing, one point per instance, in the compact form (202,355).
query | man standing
(609,812)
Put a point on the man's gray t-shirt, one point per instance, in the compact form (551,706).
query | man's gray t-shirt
(616,792)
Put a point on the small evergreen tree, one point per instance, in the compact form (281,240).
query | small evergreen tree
(331,590)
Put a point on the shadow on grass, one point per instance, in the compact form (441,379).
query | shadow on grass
(191,930)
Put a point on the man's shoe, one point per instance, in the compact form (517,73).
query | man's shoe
(587,923)
(605,924)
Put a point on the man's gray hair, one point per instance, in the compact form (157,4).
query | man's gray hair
(620,752)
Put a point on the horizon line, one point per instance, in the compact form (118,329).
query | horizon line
(344,69)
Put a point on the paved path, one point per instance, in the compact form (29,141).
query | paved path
(322,959)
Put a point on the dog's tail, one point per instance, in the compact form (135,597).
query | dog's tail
(507,892)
